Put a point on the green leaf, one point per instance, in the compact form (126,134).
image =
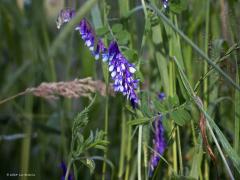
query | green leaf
(123,37)
(180,117)
(173,101)
(167,125)
(160,106)
(177,6)
(117,28)
(102,31)
(130,54)
(145,100)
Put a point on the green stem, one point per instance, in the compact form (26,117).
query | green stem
(194,46)
(205,81)
(139,151)
(129,148)
(106,78)
(123,146)
(68,169)
(179,151)
(27,140)
(14,96)
(106,138)
(237,114)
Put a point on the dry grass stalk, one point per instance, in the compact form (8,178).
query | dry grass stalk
(71,89)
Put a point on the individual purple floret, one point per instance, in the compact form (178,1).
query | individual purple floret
(101,50)
(65,16)
(122,74)
(159,144)
(87,34)
(161,96)
(64,170)
(165,3)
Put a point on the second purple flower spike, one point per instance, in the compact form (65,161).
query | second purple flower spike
(159,143)
(122,73)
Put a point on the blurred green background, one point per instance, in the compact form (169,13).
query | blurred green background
(35,133)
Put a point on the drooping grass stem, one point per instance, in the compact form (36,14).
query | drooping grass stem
(210,122)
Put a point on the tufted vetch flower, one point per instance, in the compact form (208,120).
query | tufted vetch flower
(159,144)
(65,16)
(122,73)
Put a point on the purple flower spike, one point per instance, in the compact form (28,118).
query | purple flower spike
(159,144)
(122,72)
(65,16)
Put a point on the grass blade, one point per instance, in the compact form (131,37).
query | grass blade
(194,46)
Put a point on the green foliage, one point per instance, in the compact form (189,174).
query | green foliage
(80,145)
(180,116)
(189,44)
(169,108)
(177,6)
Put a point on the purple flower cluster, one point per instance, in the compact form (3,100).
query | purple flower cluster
(89,38)
(159,144)
(122,72)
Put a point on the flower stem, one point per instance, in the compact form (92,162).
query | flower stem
(129,145)
(106,78)
(205,81)
(106,138)
(139,151)
(123,147)
(68,169)
(13,97)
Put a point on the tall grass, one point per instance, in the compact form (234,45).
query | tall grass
(189,51)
